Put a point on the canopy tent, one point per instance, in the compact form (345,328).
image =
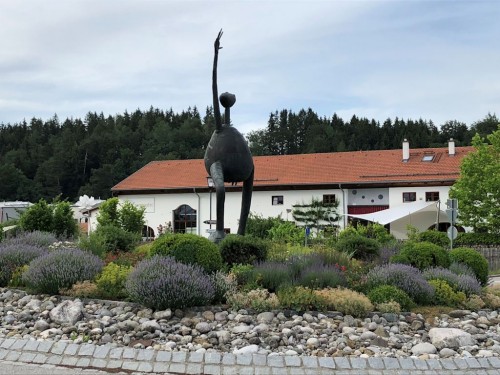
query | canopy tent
(392,214)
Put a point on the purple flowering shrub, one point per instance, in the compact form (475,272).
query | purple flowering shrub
(14,255)
(404,277)
(272,275)
(161,282)
(462,283)
(34,238)
(321,276)
(61,269)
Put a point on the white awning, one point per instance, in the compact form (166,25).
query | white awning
(392,214)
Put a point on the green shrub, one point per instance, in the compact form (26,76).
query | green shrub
(37,217)
(361,247)
(242,249)
(189,249)
(257,299)
(258,226)
(111,282)
(1,232)
(474,260)
(287,232)
(422,255)
(387,293)
(243,273)
(445,295)
(193,249)
(162,245)
(471,239)
(63,223)
(116,238)
(299,298)
(16,280)
(390,307)
(435,237)
(347,301)
(94,243)
(284,251)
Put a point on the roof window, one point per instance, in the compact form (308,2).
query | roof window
(428,157)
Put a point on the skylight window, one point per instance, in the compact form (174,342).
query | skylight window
(428,158)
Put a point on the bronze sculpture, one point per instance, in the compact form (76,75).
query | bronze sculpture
(227,158)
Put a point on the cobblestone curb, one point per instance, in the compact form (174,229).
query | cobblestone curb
(128,360)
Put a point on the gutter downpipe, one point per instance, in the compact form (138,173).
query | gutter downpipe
(198,212)
(344,215)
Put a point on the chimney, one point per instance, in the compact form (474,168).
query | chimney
(451,147)
(406,150)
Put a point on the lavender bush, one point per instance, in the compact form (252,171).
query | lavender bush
(462,283)
(461,269)
(34,238)
(14,255)
(161,282)
(61,269)
(272,275)
(405,277)
(322,276)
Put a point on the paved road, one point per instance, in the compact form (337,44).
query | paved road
(69,358)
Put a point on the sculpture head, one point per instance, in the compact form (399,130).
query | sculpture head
(227,99)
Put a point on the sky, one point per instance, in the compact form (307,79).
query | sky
(435,60)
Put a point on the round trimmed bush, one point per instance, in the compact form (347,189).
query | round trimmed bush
(162,282)
(61,269)
(242,249)
(13,256)
(387,293)
(422,255)
(361,247)
(435,237)
(189,249)
(474,260)
(193,249)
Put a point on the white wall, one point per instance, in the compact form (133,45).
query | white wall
(159,208)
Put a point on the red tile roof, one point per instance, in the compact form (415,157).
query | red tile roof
(357,167)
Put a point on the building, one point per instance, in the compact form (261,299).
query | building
(393,187)
(12,210)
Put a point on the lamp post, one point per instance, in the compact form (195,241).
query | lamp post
(210,183)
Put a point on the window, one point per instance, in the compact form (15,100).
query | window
(432,196)
(409,197)
(428,157)
(329,199)
(277,200)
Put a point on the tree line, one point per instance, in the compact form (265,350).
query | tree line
(47,159)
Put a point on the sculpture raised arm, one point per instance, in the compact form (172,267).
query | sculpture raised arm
(218,121)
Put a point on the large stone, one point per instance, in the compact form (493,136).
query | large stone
(423,348)
(163,314)
(150,326)
(203,327)
(249,349)
(67,312)
(265,317)
(452,338)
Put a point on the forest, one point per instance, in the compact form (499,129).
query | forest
(47,159)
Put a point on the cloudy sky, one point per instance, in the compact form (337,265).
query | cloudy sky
(437,60)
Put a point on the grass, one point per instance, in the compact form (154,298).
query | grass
(432,311)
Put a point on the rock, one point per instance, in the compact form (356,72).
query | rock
(380,331)
(249,349)
(459,313)
(67,312)
(34,304)
(312,342)
(447,352)
(484,353)
(9,319)
(51,332)
(368,335)
(106,338)
(452,338)
(221,316)
(423,348)
(150,326)
(265,317)
(41,325)
(203,327)
(241,329)
(208,315)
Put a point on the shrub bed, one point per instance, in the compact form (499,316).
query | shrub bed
(474,260)
(14,255)
(242,249)
(422,255)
